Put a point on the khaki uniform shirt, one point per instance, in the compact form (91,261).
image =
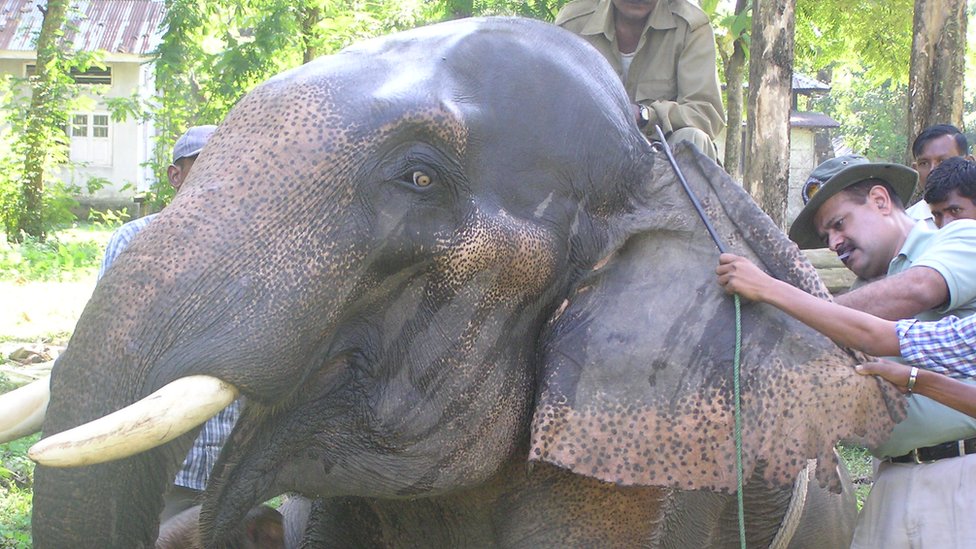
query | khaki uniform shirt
(673,71)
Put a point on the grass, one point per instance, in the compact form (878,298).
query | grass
(858,461)
(16,483)
(46,284)
(45,287)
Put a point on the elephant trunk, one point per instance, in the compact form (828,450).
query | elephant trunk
(95,504)
(163,312)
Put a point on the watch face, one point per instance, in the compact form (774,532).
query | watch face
(645,115)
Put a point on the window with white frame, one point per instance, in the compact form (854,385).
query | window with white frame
(91,138)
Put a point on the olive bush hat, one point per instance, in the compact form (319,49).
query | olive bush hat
(835,175)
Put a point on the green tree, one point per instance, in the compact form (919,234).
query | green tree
(42,137)
(862,49)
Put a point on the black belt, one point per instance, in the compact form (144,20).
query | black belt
(951,449)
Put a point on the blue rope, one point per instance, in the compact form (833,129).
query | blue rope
(663,144)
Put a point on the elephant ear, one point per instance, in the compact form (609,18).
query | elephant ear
(636,385)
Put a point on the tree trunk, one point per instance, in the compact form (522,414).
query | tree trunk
(770,86)
(935,78)
(734,69)
(311,15)
(42,121)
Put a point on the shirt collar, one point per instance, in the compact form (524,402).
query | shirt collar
(915,242)
(602,21)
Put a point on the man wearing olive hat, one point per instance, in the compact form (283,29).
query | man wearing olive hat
(925,485)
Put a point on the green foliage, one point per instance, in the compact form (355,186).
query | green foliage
(873,117)
(544,10)
(33,199)
(875,35)
(858,461)
(863,50)
(16,484)
(50,259)
(108,219)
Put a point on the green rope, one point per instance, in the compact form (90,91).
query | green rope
(662,145)
(738,422)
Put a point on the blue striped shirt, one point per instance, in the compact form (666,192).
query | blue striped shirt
(195,471)
(946,346)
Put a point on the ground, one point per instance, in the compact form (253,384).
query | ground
(43,289)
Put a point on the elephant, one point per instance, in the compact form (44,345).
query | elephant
(468,305)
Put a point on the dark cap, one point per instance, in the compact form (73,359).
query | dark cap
(192,142)
(837,174)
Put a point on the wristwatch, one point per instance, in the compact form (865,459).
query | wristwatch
(643,116)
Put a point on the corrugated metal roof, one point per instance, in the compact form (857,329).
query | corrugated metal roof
(803,83)
(114,26)
(812,120)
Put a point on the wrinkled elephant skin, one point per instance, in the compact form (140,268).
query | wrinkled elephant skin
(374,248)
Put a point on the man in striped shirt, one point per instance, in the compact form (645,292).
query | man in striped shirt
(192,477)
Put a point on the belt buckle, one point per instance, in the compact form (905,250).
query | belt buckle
(915,457)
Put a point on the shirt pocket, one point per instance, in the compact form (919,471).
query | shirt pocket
(655,89)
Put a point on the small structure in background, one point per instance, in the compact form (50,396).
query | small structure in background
(125,32)
(810,140)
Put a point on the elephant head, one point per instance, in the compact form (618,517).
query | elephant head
(421,259)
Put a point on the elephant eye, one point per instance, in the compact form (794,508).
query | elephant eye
(421,179)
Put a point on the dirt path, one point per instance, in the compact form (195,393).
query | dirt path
(42,310)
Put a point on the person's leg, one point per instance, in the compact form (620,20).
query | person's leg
(944,504)
(882,521)
(176,500)
(697,138)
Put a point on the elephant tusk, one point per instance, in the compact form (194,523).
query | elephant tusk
(22,410)
(153,421)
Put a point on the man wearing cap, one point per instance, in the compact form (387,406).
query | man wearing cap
(664,53)
(192,477)
(185,152)
(907,270)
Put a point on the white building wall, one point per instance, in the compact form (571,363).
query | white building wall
(129,141)
(802,160)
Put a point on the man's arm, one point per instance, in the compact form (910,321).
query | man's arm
(899,296)
(699,97)
(944,390)
(846,327)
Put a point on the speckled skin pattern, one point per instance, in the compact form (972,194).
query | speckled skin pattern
(371,248)
(655,318)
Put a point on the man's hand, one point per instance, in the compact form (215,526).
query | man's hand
(892,371)
(738,275)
